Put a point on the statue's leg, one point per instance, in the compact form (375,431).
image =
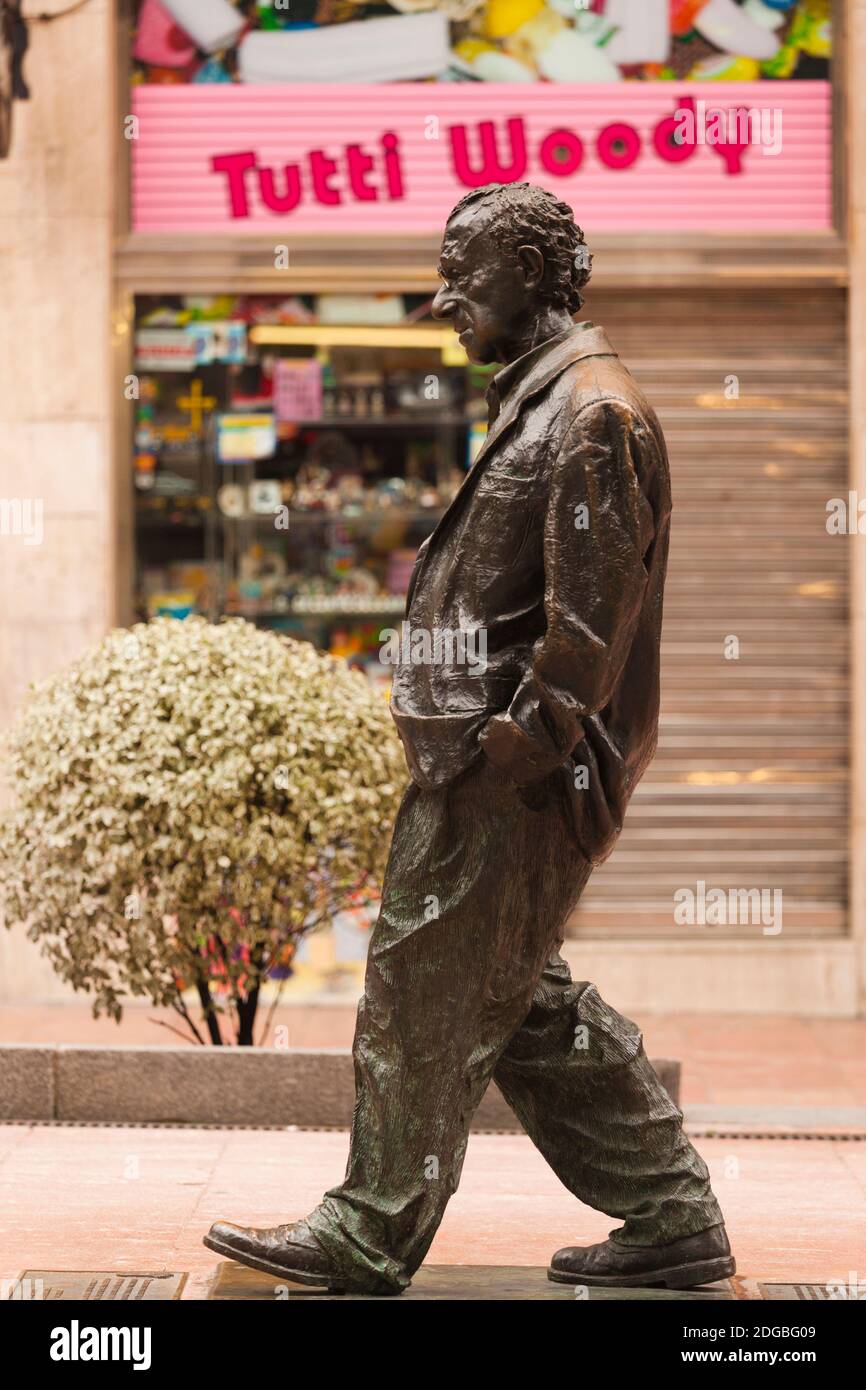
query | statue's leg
(461,941)
(578,1078)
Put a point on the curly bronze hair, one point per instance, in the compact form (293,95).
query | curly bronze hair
(525,215)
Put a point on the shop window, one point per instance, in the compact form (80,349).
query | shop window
(290,457)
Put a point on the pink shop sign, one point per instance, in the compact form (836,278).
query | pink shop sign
(632,156)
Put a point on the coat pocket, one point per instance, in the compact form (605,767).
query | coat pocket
(506,514)
(463,691)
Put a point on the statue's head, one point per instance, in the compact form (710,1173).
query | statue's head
(511,253)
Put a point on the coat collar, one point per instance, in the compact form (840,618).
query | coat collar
(548,361)
(504,382)
(530,374)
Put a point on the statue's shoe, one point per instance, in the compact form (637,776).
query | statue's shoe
(289,1252)
(683,1264)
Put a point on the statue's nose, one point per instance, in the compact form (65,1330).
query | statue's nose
(443,304)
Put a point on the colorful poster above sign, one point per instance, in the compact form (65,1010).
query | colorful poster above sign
(635,156)
(207,41)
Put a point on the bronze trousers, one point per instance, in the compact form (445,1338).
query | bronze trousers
(465,984)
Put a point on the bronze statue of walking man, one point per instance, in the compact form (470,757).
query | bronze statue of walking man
(555,548)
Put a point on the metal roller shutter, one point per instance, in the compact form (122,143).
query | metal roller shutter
(749,785)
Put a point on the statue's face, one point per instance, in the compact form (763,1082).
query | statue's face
(486,299)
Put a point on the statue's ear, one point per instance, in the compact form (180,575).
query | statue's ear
(532,263)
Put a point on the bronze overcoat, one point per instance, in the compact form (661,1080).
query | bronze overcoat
(555,547)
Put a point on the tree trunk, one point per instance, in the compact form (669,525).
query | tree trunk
(247,1007)
(211,1019)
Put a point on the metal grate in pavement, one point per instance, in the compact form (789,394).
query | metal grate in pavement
(800,1292)
(96,1285)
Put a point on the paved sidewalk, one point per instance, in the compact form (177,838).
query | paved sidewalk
(140,1199)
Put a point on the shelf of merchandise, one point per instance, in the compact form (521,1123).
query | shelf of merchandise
(313,536)
(326,518)
(386,422)
(367,336)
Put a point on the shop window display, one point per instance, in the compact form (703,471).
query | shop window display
(287,475)
(272,41)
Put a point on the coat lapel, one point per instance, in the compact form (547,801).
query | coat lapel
(583,342)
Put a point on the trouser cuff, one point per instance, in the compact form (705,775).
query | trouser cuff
(359,1266)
